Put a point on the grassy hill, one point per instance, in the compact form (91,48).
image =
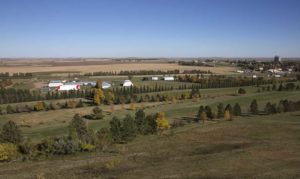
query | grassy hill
(247,147)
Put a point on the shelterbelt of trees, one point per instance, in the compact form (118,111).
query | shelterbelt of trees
(7,75)
(147,72)
(81,138)
(11,95)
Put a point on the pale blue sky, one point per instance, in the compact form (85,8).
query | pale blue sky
(149,28)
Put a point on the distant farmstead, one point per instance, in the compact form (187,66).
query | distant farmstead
(169,78)
(105,85)
(68,87)
(154,78)
(127,83)
(55,83)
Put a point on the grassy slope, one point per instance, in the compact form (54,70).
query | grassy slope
(248,147)
(52,123)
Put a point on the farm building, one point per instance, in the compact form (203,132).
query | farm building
(105,85)
(127,83)
(68,87)
(89,83)
(169,78)
(55,83)
(154,78)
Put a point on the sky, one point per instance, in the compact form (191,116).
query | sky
(149,28)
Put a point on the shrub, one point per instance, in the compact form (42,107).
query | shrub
(71,104)
(8,152)
(162,122)
(39,106)
(86,147)
(79,128)
(11,133)
(242,91)
(97,113)
(10,109)
(103,138)
(62,146)
(177,123)
(254,107)
(203,117)
(25,148)
(112,164)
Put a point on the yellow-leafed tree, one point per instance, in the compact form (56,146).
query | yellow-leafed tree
(227,115)
(161,122)
(98,96)
(39,106)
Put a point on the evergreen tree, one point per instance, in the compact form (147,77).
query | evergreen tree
(10,133)
(280,107)
(79,126)
(280,88)
(208,112)
(268,108)
(140,119)
(237,111)
(201,109)
(203,117)
(128,129)
(115,129)
(254,107)
(242,91)
(10,109)
(151,128)
(220,110)
(229,108)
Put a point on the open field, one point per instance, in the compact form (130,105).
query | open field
(113,68)
(248,147)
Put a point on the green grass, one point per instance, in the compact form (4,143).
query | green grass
(54,123)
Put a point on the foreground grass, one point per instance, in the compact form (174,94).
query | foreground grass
(248,147)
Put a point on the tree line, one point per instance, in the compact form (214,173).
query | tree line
(146,72)
(7,75)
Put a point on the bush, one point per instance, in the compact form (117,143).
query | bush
(71,104)
(79,128)
(10,133)
(177,123)
(63,146)
(162,122)
(97,113)
(25,148)
(242,91)
(87,147)
(39,106)
(8,152)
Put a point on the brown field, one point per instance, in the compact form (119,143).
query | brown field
(105,67)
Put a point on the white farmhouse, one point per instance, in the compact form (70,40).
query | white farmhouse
(55,83)
(169,78)
(127,83)
(154,78)
(105,85)
(68,87)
